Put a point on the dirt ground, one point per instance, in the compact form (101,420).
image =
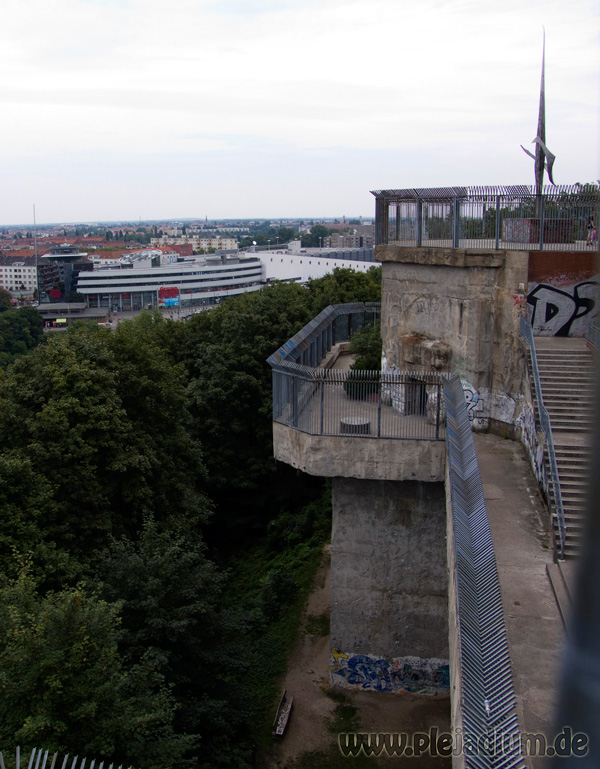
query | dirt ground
(307,681)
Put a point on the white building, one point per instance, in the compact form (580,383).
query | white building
(307,264)
(146,283)
(197,242)
(18,274)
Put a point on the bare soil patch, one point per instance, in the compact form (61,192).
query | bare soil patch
(307,681)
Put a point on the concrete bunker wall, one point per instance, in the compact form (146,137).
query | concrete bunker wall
(458,310)
(389,586)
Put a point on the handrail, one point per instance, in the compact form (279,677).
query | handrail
(592,334)
(527,333)
(320,401)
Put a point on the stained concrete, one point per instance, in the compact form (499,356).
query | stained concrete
(519,526)
(389,582)
(468,305)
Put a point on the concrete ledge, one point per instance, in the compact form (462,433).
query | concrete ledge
(447,257)
(360,457)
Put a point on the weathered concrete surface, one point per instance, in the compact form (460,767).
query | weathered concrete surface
(360,457)
(389,584)
(518,522)
(458,310)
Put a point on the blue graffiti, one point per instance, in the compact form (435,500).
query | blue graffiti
(377,674)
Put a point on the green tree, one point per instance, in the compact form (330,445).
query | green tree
(173,611)
(5,300)
(62,673)
(103,418)
(317,234)
(230,398)
(285,234)
(366,346)
(20,330)
(342,286)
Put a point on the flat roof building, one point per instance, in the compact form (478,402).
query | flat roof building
(149,282)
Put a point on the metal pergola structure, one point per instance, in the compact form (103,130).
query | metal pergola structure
(503,216)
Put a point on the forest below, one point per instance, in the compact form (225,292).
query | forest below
(155,558)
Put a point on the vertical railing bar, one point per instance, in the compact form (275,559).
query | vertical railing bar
(379,389)
(497,222)
(322,405)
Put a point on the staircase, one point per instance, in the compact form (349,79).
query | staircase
(567,376)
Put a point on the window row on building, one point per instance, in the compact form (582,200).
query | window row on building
(190,283)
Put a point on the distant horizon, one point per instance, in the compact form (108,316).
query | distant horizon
(175,220)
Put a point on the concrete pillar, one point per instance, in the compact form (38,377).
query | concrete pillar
(389,586)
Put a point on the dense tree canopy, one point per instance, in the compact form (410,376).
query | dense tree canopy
(64,684)
(20,330)
(133,465)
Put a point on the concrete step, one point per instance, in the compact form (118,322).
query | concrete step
(568,389)
(566,407)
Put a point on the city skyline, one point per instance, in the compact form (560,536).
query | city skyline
(118,110)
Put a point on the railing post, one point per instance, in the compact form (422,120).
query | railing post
(438,411)
(542,218)
(497,222)
(455,222)
(419,223)
(294,404)
(379,404)
(322,406)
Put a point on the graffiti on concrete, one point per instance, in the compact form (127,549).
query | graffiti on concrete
(563,311)
(475,405)
(371,673)
(525,423)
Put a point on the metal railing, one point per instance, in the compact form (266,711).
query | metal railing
(38,759)
(491,732)
(322,401)
(336,323)
(544,420)
(592,334)
(487,217)
(395,404)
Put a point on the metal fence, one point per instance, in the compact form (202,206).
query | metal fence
(336,323)
(317,401)
(491,732)
(322,401)
(41,759)
(488,217)
(544,420)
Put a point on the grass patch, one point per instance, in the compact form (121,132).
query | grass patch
(345,715)
(317,625)
(270,585)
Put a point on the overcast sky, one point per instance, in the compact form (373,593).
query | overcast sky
(129,109)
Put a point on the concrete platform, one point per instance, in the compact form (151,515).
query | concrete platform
(560,343)
(534,626)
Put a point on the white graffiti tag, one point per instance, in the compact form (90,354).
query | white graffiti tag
(562,312)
